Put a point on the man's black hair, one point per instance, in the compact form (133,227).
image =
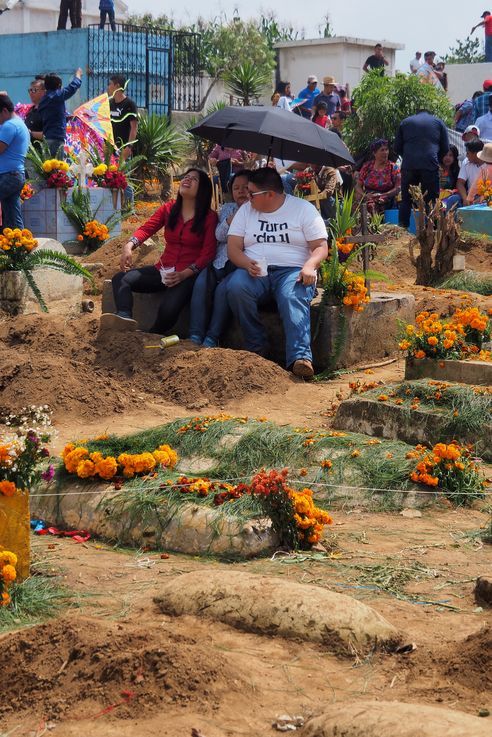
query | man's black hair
(52,82)
(475,145)
(6,103)
(267,178)
(40,77)
(341,113)
(378,46)
(119,80)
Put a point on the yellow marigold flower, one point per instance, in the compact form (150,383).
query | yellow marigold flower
(113,167)
(106,468)
(410,329)
(85,469)
(73,458)
(403,345)
(9,573)
(7,557)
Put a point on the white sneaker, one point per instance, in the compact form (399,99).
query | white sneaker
(109,321)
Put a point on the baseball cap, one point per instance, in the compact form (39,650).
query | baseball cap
(485,12)
(471,129)
(312,78)
(487,84)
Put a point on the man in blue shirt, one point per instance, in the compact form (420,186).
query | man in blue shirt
(52,109)
(14,142)
(421,141)
(329,96)
(481,102)
(308,94)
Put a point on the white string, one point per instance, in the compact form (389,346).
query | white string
(341,486)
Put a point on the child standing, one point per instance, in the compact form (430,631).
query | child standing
(106,8)
(52,109)
(320,116)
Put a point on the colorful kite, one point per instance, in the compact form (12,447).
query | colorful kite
(95,114)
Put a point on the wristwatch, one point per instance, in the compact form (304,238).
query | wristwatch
(135,241)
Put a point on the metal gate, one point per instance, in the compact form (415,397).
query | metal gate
(162,66)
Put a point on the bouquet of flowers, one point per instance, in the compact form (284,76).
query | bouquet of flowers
(49,172)
(57,174)
(94,234)
(8,574)
(461,336)
(484,189)
(23,449)
(15,244)
(109,177)
(26,192)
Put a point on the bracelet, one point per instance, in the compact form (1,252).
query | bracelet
(135,241)
(194,268)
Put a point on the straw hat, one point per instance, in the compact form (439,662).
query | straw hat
(329,80)
(486,153)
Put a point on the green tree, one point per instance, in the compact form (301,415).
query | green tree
(381,103)
(247,81)
(469,51)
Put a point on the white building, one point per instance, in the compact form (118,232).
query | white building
(31,16)
(341,57)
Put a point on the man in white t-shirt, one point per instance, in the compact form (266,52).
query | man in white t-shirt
(277,241)
(484,123)
(416,63)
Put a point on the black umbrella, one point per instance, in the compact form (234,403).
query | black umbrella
(274,132)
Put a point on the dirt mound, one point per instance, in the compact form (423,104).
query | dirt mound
(47,359)
(194,378)
(471,664)
(109,255)
(76,667)
(453,671)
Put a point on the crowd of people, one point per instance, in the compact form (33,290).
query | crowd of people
(46,120)
(264,243)
(267,244)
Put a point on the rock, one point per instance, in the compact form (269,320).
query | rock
(411,513)
(483,591)
(394,719)
(274,606)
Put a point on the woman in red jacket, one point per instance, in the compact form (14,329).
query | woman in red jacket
(189,233)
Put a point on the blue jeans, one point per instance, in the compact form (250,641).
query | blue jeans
(11,184)
(289,182)
(56,148)
(209,311)
(102,19)
(245,292)
(488,48)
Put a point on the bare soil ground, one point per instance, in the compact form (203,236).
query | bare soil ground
(114,665)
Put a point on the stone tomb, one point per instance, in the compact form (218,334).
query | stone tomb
(44,216)
(370,335)
(61,292)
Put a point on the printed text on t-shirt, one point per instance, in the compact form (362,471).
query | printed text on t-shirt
(274,229)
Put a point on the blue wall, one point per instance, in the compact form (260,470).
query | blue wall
(23,55)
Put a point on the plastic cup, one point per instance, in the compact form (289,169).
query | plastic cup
(164,271)
(262,263)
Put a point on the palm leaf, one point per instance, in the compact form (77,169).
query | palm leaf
(34,287)
(58,261)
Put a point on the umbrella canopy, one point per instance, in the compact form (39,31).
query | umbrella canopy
(274,132)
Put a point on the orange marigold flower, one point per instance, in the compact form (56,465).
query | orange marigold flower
(7,488)
(419,354)
(9,573)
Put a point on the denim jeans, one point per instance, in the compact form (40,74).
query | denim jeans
(102,19)
(209,312)
(245,292)
(11,184)
(488,48)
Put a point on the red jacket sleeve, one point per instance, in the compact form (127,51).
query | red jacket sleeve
(209,247)
(157,221)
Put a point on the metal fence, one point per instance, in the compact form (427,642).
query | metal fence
(162,66)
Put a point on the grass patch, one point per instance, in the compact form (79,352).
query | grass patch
(464,409)
(469,281)
(35,600)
